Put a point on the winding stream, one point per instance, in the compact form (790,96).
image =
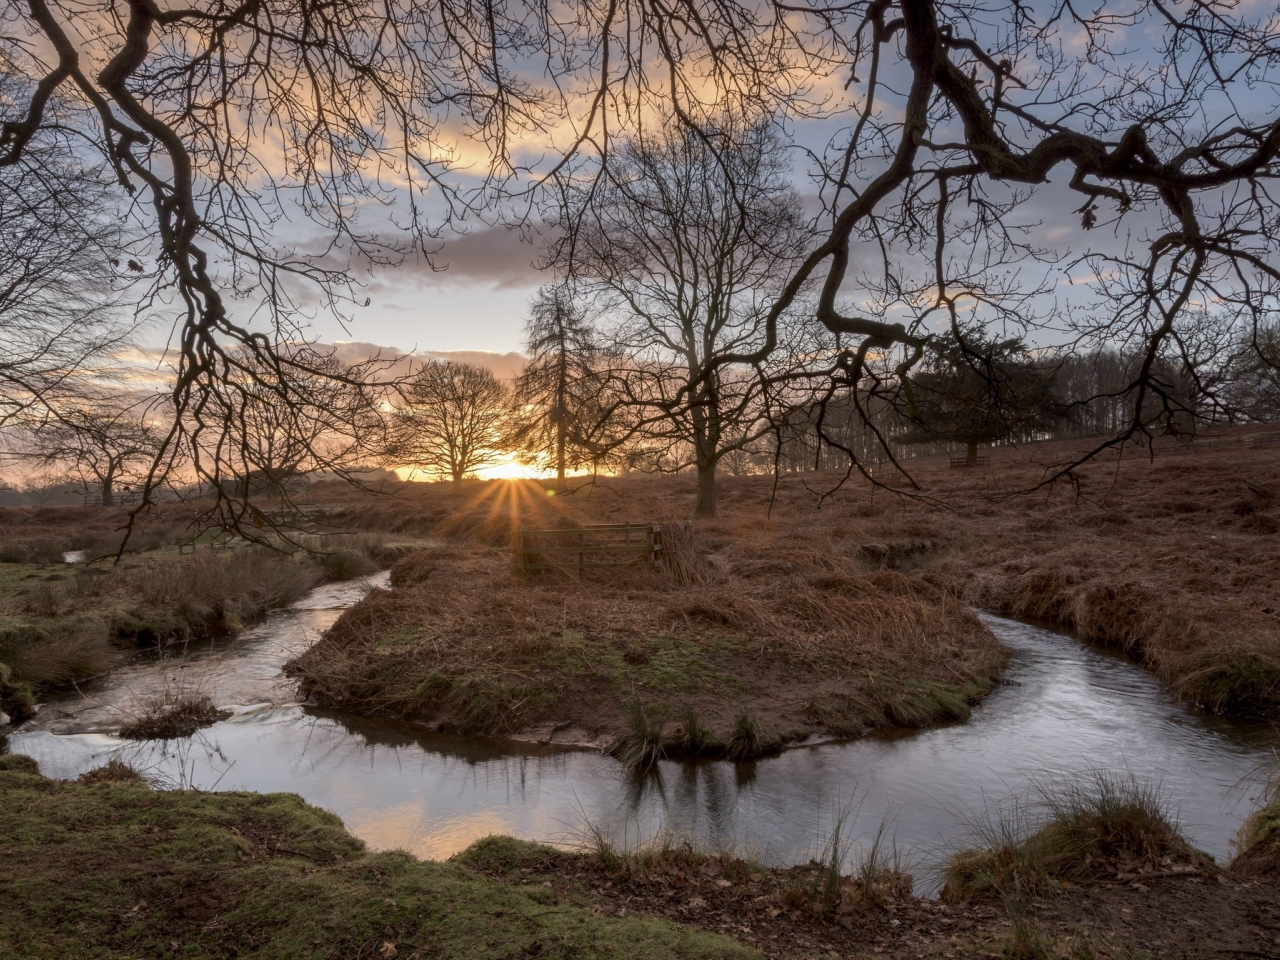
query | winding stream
(1067,707)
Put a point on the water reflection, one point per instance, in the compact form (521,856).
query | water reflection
(1068,708)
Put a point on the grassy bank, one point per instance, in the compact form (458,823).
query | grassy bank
(1258,842)
(61,623)
(1086,829)
(757,650)
(115,870)
(108,867)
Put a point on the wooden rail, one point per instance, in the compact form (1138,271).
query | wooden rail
(593,545)
(964,463)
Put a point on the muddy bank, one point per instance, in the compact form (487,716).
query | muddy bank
(768,648)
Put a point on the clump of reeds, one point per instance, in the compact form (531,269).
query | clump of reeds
(177,712)
(748,740)
(679,556)
(695,739)
(642,746)
(877,878)
(1085,828)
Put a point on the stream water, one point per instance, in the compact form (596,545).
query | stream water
(1067,708)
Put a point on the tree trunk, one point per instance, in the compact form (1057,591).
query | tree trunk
(706,504)
(560,450)
(108,491)
(971,454)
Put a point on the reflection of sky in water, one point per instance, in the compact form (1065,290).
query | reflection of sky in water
(1069,708)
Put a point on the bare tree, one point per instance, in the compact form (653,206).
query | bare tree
(64,265)
(1255,375)
(959,118)
(687,240)
(451,421)
(276,440)
(103,442)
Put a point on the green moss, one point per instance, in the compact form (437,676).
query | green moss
(114,870)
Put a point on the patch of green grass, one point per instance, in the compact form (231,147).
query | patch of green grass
(665,663)
(115,870)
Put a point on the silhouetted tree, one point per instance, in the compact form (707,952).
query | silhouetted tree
(687,241)
(103,442)
(561,404)
(949,121)
(451,420)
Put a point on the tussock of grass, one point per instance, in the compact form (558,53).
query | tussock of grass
(114,770)
(1087,828)
(642,746)
(116,871)
(18,763)
(171,716)
(1259,844)
(747,741)
(827,887)
(345,565)
(695,739)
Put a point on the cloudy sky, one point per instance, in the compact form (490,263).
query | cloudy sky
(477,302)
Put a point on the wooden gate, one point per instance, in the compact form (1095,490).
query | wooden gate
(593,545)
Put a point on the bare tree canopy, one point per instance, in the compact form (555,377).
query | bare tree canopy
(451,420)
(104,442)
(1154,122)
(63,264)
(686,240)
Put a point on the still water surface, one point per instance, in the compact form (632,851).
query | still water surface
(1067,708)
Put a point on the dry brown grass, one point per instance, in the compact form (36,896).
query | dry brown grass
(803,638)
(835,616)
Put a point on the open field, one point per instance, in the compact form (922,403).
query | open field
(814,615)
(111,868)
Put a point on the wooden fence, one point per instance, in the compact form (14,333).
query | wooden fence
(594,545)
(127,498)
